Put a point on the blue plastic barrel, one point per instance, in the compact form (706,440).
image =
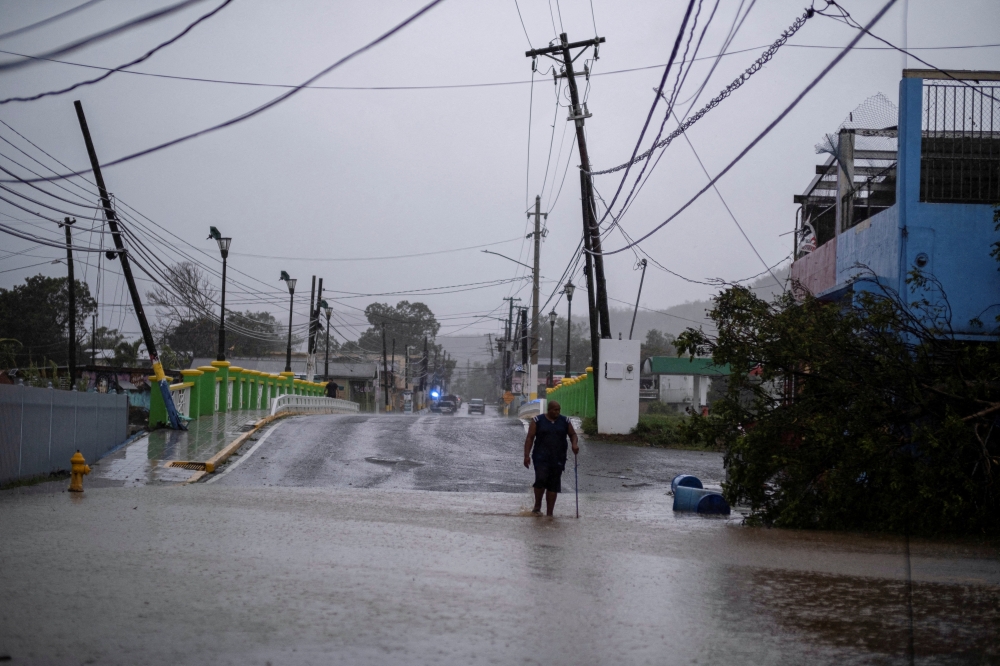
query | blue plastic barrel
(713,503)
(699,500)
(685,480)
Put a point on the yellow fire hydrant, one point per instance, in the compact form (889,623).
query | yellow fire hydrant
(79,467)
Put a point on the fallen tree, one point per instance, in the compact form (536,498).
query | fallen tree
(866,413)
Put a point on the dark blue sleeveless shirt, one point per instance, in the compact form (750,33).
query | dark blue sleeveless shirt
(551,440)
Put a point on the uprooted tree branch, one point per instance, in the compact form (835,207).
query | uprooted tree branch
(865,413)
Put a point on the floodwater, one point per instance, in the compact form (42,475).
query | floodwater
(264,567)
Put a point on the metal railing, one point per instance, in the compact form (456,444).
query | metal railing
(532,409)
(311,404)
(960,152)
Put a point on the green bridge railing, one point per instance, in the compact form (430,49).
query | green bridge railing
(221,387)
(575,395)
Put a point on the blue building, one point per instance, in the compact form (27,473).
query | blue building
(919,192)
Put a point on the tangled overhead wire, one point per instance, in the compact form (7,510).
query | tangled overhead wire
(726,92)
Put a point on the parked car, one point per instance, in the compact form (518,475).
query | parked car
(477,405)
(446,407)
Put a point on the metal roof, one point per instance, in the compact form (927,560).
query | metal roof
(672,365)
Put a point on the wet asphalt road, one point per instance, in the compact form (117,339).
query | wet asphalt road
(308,552)
(468,453)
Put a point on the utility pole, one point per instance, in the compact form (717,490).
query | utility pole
(71,360)
(112,219)
(93,340)
(637,297)
(393,371)
(533,368)
(311,334)
(596,286)
(524,337)
(406,366)
(508,343)
(423,373)
(326,365)
(385,371)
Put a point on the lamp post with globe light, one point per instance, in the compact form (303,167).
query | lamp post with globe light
(223,242)
(291,300)
(552,346)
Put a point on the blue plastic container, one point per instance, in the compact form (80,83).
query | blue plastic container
(685,480)
(699,500)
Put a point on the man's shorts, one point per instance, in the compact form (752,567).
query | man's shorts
(548,477)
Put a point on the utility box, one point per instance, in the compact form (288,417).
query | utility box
(618,387)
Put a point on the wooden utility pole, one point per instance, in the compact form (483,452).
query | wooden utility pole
(311,334)
(71,360)
(533,368)
(112,219)
(578,113)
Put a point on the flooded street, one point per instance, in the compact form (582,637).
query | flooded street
(341,539)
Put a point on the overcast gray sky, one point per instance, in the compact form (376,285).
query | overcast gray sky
(341,174)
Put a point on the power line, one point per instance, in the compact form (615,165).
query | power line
(521,18)
(659,91)
(272,103)
(494,84)
(396,256)
(142,58)
(50,19)
(101,36)
(774,123)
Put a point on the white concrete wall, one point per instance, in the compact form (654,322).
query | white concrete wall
(618,387)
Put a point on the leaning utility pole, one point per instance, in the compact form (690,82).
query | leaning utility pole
(112,220)
(67,222)
(596,285)
(533,368)
(595,337)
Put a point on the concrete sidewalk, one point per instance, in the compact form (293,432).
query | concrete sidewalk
(146,460)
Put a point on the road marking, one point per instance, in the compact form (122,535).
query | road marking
(245,455)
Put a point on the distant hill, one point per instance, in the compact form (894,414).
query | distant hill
(672,320)
(676,318)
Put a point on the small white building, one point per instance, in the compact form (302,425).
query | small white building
(680,381)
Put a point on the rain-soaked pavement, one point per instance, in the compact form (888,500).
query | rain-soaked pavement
(330,543)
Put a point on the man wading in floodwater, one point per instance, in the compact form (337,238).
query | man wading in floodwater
(548,433)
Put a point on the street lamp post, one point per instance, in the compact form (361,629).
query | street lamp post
(291,300)
(552,345)
(224,249)
(569,289)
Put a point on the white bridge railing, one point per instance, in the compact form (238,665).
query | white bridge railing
(531,409)
(311,404)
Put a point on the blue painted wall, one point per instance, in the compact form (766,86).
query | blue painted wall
(954,239)
(873,243)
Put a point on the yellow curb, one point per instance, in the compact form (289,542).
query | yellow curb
(234,446)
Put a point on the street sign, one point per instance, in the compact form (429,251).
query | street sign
(508,397)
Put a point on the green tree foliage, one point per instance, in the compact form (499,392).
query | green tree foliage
(407,323)
(657,344)
(855,415)
(188,326)
(36,315)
